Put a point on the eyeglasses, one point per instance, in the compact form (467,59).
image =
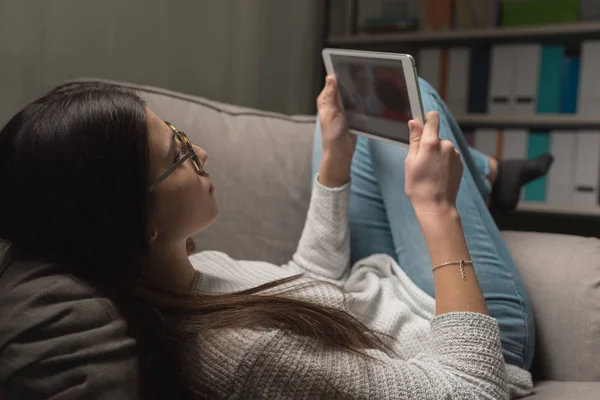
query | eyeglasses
(188,151)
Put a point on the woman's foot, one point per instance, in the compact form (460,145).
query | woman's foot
(512,175)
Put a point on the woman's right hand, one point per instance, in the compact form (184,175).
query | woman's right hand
(433,169)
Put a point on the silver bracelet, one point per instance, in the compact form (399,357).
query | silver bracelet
(460,263)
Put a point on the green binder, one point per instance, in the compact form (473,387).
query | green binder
(539,12)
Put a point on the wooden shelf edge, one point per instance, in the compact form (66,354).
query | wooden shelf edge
(550,121)
(560,30)
(557,209)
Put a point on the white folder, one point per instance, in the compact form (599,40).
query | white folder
(589,81)
(515,143)
(430,60)
(486,141)
(560,185)
(527,75)
(587,168)
(459,61)
(502,78)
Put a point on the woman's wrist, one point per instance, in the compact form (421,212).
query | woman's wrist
(444,235)
(334,170)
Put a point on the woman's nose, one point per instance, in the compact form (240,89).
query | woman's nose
(202,155)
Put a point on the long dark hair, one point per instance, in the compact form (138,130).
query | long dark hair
(74,172)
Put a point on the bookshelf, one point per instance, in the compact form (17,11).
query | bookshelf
(569,36)
(560,32)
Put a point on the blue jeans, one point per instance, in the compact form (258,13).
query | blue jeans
(382,220)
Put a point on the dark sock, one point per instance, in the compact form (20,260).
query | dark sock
(512,176)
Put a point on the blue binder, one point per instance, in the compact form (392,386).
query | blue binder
(570,85)
(549,101)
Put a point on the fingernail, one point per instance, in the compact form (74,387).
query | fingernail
(327,81)
(411,126)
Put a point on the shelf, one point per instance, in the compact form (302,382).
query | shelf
(549,121)
(554,209)
(583,30)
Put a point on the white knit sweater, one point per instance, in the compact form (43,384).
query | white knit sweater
(452,356)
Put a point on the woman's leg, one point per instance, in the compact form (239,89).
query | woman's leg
(370,232)
(382,220)
(483,168)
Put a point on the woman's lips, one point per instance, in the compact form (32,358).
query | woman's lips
(212,188)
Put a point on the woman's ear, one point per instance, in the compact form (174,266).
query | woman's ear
(190,246)
(153,236)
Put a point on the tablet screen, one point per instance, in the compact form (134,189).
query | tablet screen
(374,96)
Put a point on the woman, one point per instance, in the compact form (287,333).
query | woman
(95,180)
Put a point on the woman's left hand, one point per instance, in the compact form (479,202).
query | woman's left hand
(338,142)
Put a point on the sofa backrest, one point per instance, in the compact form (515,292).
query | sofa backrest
(260,164)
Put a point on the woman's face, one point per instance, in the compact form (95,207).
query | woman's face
(182,204)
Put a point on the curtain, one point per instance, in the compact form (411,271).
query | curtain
(257,53)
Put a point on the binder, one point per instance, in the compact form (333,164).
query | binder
(479,81)
(569,85)
(550,80)
(561,177)
(526,81)
(486,141)
(587,168)
(502,77)
(429,66)
(515,144)
(539,143)
(589,86)
(459,61)
(539,12)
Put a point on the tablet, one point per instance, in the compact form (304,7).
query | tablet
(379,92)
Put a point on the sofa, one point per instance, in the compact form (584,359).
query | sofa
(260,163)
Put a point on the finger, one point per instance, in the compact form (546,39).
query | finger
(432,127)
(328,94)
(447,146)
(416,132)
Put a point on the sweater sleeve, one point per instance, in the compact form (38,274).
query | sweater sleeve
(324,248)
(465,363)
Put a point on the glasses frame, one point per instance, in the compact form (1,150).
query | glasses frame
(189,153)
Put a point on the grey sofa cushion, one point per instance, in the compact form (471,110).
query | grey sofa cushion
(260,164)
(59,338)
(562,276)
(548,390)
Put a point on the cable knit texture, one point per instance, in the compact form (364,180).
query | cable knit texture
(452,356)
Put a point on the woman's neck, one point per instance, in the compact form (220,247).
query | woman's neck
(170,264)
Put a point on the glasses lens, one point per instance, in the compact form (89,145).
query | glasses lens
(189,148)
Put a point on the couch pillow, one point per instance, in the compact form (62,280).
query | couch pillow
(562,276)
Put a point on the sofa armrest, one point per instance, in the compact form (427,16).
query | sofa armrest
(562,277)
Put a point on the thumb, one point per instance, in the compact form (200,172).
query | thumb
(416,132)
(328,95)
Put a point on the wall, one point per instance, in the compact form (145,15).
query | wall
(259,53)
